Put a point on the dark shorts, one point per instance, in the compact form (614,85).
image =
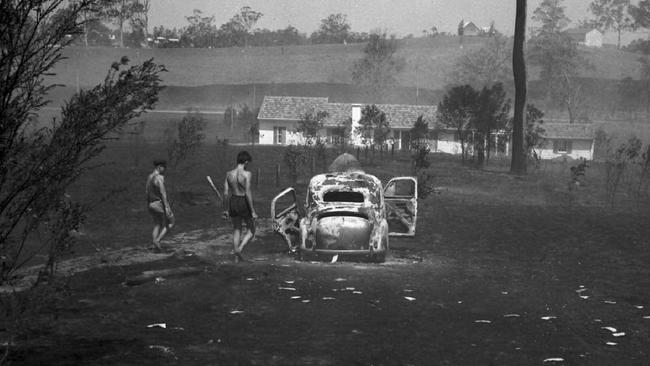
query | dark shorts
(240,211)
(157,211)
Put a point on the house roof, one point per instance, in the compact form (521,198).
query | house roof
(570,131)
(579,34)
(470,24)
(289,108)
(400,116)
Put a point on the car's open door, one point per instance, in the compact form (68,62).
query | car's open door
(401,197)
(286,217)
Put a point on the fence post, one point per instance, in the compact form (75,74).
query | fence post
(365,152)
(392,150)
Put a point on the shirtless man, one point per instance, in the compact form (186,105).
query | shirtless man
(157,202)
(238,203)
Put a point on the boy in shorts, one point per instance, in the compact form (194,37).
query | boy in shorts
(238,203)
(157,202)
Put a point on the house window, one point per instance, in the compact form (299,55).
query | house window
(562,146)
(279,135)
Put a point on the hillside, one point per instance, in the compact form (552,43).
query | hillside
(428,63)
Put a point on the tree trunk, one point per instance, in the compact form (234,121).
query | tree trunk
(518,164)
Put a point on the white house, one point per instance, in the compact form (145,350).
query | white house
(574,140)
(586,37)
(279,116)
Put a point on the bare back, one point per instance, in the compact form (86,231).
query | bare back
(237,180)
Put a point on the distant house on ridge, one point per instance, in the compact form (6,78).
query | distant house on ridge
(586,36)
(470,29)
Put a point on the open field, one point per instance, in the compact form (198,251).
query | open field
(428,63)
(503,270)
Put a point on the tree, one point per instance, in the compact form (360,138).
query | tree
(342,132)
(420,143)
(612,14)
(534,135)
(379,65)
(247,118)
(456,111)
(518,163)
(493,30)
(120,12)
(38,166)
(534,132)
(485,66)
(641,14)
(188,139)
(373,126)
(491,114)
(311,122)
(140,19)
(557,55)
(246,19)
(333,29)
(551,14)
(231,34)
(201,32)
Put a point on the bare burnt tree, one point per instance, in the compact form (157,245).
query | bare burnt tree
(518,163)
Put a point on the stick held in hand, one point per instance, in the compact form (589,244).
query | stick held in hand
(214,188)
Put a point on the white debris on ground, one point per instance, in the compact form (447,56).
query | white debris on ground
(554,359)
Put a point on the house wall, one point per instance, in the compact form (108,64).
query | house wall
(579,149)
(447,143)
(594,39)
(267,130)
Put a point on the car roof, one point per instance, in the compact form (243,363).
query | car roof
(348,179)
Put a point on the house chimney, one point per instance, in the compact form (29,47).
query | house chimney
(355,138)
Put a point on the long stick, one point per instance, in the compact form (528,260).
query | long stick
(214,188)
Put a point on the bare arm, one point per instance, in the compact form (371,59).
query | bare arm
(160,182)
(226,195)
(249,194)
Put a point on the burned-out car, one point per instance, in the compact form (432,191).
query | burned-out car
(346,213)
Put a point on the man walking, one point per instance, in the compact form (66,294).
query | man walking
(238,203)
(158,205)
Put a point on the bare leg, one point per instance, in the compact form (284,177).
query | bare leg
(236,237)
(161,235)
(247,238)
(154,235)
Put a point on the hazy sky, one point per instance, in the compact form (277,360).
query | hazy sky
(399,17)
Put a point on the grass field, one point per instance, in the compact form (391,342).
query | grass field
(428,63)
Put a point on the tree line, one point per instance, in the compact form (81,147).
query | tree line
(131,21)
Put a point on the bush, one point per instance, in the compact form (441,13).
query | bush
(189,137)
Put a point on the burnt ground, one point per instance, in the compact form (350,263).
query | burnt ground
(524,285)
(489,279)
